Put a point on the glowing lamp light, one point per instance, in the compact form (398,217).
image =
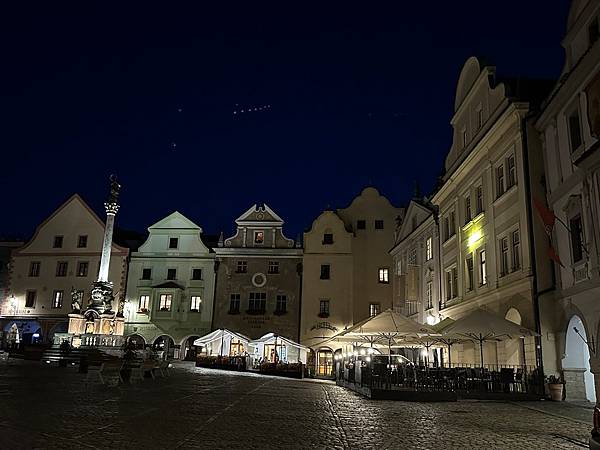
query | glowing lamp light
(355,353)
(370,351)
(363,352)
(474,237)
(424,352)
(368,359)
(430,319)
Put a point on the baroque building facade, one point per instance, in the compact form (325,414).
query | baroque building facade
(259,278)
(570,128)
(480,221)
(347,270)
(62,256)
(170,288)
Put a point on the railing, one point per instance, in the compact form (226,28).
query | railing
(462,378)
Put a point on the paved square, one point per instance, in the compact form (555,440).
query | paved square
(54,408)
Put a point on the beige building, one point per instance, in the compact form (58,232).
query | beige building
(485,217)
(170,287)
(259,278)
(63,255)
(570,126)
(347,269)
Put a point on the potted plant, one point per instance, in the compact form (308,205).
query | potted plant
(555,386)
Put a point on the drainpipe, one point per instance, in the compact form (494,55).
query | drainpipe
(214,305)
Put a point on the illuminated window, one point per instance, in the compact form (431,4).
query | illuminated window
(30,299)
(429,294)
(259,237)
(165,302)
(82,241)
(173,242)
(273,267)
(61,269)
(384,275)
(57,299)
(374,309)
(242,267)
(82,269)
(34,269)
(429,249)
(482,268)
(234,303)
(144,303)
(195,303)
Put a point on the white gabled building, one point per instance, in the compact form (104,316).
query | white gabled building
(170,287)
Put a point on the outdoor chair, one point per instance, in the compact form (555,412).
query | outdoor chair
(507,379)
(163,368)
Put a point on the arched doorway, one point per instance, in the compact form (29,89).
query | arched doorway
(165,346)
(61,327)
(189,349)
(514,350)
(136,342)
(579,380)
(325,362)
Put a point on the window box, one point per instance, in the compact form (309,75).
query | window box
(165,309)
(194,310)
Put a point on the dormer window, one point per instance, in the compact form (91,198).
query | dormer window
(173,242)
(328,239)
(259,237)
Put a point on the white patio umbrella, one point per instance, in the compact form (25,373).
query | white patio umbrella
(220,335)
(483,326)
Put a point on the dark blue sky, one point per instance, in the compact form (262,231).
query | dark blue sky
(358,96)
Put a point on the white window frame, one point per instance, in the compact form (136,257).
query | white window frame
(429,249)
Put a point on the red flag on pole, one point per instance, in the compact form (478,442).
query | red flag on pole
(554,256)
(546,215)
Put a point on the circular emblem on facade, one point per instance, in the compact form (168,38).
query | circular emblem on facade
(259,279)
(260,216)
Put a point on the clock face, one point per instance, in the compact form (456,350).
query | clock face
(259,279)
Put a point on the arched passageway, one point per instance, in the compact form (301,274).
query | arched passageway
(579,380)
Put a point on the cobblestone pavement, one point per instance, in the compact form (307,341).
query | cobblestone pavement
(54,408)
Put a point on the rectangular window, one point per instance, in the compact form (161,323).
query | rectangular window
(327,239)
(82,241)
(482,268)
(361,224)
(448,285)
(470,280)
(165,303)
(374,309)
(468,208)
(323,308)
(576,238)
(429,294)
(173,242)
(57,299)
(516,250)
(454,282)
(499,180)
(144,303)
(171,274)
(196,274)
(58,242)
(452,224)
(503,256)
(259,237)
(429,249)
(61,269)
(82,269)
(325,271)
(257,302)
(479,204)
(30,299)
(146,274)
(273,267)
(574,130)
(234,303)
(281,306)
(512,172)
(384,275)
(446,228)
(195,303)
(379,224)
(34,269)
(242,267)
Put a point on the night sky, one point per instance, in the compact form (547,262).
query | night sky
(358,96)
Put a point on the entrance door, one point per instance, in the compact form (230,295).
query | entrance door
(324,363)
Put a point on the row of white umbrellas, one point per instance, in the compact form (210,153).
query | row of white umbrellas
(392,329)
